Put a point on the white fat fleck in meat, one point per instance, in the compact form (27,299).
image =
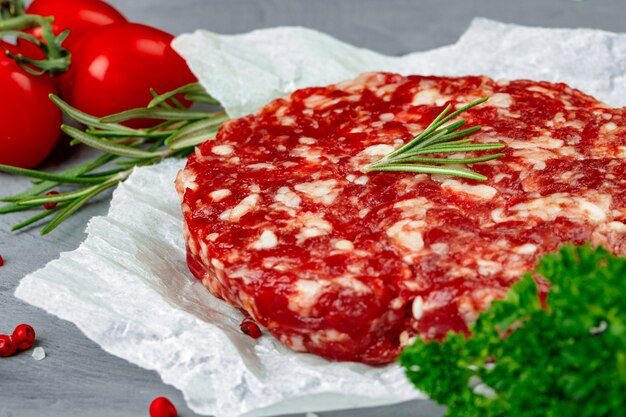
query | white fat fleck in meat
(307,292)
(306,140)
(546,142)
(525,249)
(267,240)
(343,244)
(362,180)
(222,150)
(594,208)
(467,310)
(319,101)
(219,195)
(261,166)
(314,225)
(609,127)
(386,117)
(414,208)
(406,339)
(397,303)
(324,191)
(352,284)
(501,100)
(287,121)
(487,268)
(306,152)
(417,308)
(498,216)
(217,263)
(542,90)
(204,251)
(244,207)
(324,337)
(429,96)
(536,157)
(499,177)
(483,192)
(225,215)
(282,110)
(617,227)
(212,237)
(437,299)
(483,297)
(439,248)
(378,150)
(187,179)
(386,90)
(296,342)
(198,153)
(408,234)
(610,235)
(287,197)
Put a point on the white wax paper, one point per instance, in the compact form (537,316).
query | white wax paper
(127,286)
(244,71)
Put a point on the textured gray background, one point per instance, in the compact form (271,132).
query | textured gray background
(78,378)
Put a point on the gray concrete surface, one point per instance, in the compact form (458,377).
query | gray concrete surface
(78,378)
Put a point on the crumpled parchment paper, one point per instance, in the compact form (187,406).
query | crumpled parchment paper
(127,286)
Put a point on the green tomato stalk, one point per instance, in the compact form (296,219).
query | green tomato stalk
(13,21)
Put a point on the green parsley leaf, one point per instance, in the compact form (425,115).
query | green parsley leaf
(567,360)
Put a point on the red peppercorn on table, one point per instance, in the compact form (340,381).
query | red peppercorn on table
(77,378)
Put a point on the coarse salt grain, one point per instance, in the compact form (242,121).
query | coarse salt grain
(39,353)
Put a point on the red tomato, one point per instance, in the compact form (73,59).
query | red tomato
(29,121)
(114,68)
(79,16)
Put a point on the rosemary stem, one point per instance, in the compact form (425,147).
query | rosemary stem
(439,138)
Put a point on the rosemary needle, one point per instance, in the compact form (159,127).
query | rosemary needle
(439,139)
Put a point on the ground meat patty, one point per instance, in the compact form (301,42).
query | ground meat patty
(281,221)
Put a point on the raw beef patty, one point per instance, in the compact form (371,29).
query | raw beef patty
(282,222)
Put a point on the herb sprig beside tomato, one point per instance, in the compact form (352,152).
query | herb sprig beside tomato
(124,146)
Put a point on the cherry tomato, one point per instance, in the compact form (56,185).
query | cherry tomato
(29,121)
(79,16)
(114,68)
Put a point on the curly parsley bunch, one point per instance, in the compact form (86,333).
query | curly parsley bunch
(565,360)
